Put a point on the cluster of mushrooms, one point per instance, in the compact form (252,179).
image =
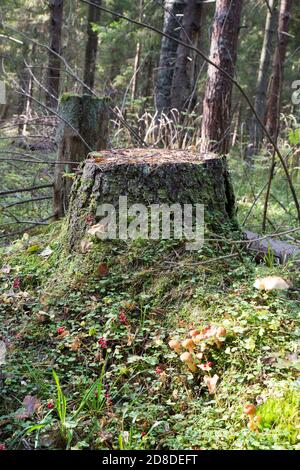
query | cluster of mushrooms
(192,348)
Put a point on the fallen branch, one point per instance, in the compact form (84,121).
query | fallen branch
(281,250)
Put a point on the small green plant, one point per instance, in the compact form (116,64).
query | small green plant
(269,258)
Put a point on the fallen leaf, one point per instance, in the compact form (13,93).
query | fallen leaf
(46,252)
(33,248)
(30,405)
(98,230)
(102,270)
(85,246)
(211,383)
(6,268)
(76,344)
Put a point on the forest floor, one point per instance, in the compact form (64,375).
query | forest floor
(88,363)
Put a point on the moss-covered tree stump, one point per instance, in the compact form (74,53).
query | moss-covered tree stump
(151,176)
(83,127)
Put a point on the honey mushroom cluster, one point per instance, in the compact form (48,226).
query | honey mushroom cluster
(192,348)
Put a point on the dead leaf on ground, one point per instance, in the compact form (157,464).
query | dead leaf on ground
(46,252)
(85,246)
(76,344)
(30,405)
(6,268)
(98,230)
(102,270)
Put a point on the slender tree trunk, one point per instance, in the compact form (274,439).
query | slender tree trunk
(24,101)
(147,88)
(56,20)
(94,15)
(197,61)
(182,84)
(274,98)
(255,132)
(217,98)
(137,59)
(168,53)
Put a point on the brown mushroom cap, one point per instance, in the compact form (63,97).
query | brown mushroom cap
(194,333)
(188,359)
(175,345)
(197,339)
(249,409)
(188,344)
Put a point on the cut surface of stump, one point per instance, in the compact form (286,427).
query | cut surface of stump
(151,176)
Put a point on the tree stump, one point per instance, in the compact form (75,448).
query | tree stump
(151,176)
(83,127)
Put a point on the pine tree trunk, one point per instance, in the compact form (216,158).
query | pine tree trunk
(274,98)
(55,29)
(183,73)
(255,132)
(94,15)
(168,53)
(217,98)
(88,130)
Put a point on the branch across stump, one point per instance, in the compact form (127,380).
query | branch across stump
(152,176)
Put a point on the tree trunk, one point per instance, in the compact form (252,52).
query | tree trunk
(56,20)
(274,98)
(137,59)
(182,84)
(94,15)
(88,130)
(256,133)
(168,53)
(151,177)
(24,101)
(217,98)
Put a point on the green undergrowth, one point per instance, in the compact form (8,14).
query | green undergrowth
(87,344)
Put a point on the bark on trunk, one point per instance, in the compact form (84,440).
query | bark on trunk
(88,119)
(274,99)
(151,177)
(217,99)
(168,53)
(56,20)
(256,133)
(182,84)
(94,15)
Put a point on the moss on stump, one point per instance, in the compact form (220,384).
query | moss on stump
(152,176)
